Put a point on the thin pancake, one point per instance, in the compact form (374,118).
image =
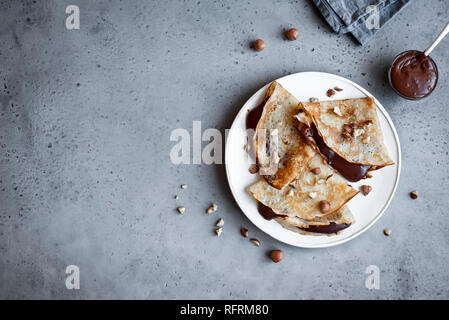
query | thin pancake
(281,150)
(302,197)
(339,220)
(350,128)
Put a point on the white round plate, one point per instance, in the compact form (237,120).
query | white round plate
(366,210)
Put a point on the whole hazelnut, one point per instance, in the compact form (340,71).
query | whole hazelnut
(259,45)
(330,92)
(253,169)
(292,34)
(366,189)
(276,255)
(325,206)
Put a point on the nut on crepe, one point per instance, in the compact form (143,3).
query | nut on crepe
(301,198)
(350,128)
(281,151)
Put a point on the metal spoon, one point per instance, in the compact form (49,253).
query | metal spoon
(437,40)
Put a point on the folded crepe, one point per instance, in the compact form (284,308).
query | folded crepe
(349,128)
(281,151)
(331,224)
(301,198)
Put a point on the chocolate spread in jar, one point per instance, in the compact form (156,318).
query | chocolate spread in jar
(351,171)
(413,75)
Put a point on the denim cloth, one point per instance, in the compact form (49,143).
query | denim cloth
(354,16)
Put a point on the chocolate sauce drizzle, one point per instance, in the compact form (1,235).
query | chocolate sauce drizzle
(330,228)
(254,115)
(351,171)
(269,214)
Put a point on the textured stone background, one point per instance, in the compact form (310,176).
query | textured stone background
(85,176)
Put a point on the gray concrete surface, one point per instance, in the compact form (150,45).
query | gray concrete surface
(85,174)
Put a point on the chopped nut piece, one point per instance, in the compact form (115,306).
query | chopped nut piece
(387,232)
(290,193)
(212,208)
(366,189)
(220,223)
(366,139)
(314,100)
(325,206)
(176,197)
(183,186)
(367,123)
(316,170)
(276,255)
(337,111)
(253,169)
(244,232)
(347,128)
(414,195)
(330,92)
(255,241)
(338,89)
(358,132)
(218,231)
(346,135)
(312,195)
(181,210)
(321,181)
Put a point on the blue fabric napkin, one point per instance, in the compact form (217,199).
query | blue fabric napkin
(361,18)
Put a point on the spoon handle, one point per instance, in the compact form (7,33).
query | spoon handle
(437,40)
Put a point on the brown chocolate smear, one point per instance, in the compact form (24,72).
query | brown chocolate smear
(351,171)
(254,115)
(330,228)
(266,211)
(269,214)
(413,74)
